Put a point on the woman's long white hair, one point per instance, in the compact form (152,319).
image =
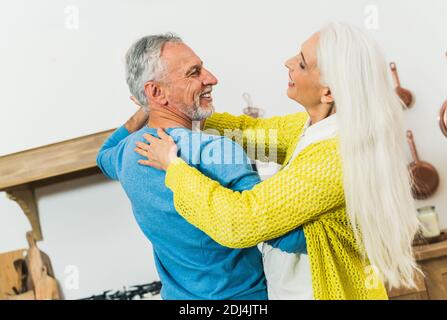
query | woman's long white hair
(371,133)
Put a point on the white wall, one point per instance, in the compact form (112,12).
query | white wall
(58,83)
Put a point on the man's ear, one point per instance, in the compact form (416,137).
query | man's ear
(155,92)
(326,96)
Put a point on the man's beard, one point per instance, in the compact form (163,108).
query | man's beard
(196,112)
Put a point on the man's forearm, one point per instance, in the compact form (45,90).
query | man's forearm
(137,121)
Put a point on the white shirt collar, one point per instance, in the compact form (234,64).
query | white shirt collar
(324,129)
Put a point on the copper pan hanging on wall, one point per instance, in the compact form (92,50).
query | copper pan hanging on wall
(425,178)
(443,118)
(405,95)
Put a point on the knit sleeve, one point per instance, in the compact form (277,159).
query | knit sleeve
(108,155)
(308,188)
(262,139)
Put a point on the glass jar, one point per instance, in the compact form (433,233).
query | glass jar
(429,220)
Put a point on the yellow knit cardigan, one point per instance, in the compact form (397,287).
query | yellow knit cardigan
(309,193)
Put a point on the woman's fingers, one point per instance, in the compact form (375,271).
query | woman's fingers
(141,152)
(158,152)
(145,150)
(163,135)
(151,155)
(150,138)
(142,145)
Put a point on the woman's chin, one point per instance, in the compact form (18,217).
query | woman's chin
(291,94)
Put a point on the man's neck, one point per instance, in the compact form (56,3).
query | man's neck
(167,117)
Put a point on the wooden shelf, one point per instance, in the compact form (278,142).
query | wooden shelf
(24,171)
(67,158)
(431,251)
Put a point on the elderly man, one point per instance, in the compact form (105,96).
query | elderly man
(169,79)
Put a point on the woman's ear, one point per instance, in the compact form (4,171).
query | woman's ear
(155,92)
(326,97)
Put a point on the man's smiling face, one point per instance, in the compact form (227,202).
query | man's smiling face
(187,83)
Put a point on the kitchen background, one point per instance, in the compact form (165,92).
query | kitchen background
(62,76)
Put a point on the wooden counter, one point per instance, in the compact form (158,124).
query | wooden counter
(432,259)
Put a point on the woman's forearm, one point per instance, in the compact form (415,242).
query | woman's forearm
(263,139)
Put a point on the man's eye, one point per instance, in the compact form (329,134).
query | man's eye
(195,73)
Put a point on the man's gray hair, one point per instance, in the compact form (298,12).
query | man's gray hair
(143,63)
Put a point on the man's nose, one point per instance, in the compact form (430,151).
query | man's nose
(209,79)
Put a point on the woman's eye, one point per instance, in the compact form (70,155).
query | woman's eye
(302,66)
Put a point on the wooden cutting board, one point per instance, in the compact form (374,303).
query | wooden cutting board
(9,277)
(45,287)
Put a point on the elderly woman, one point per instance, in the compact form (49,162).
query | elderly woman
(343,179)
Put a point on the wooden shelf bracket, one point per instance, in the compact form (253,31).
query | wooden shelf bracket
(26,199)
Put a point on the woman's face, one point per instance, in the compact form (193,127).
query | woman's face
(304,76)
